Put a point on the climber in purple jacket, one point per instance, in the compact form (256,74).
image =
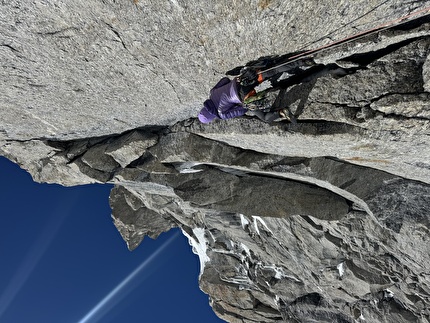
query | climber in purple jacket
(227,96)
(225,101)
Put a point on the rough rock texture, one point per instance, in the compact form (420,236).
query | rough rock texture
(325,220)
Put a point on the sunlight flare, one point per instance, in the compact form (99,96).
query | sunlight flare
(34,255)
(114,296)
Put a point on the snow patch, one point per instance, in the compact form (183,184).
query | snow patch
(237,250)
(243,221)
(259,219)
(388,293)
(243,282)
(279,273)
(187,167)
(246,249)
(341,269)
(199,245)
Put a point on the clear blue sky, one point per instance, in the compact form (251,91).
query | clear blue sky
(62,260)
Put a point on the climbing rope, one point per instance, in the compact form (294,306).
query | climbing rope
(390,24)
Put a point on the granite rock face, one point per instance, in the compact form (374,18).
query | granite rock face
(323,220)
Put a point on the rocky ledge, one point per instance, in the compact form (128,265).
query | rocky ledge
(322,220)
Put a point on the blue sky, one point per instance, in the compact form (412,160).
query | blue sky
(62,260)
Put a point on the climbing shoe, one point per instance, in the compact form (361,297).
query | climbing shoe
(284,114)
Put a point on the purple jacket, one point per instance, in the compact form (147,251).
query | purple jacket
(223,103)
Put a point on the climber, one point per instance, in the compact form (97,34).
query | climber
(227,98)
(227,101)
